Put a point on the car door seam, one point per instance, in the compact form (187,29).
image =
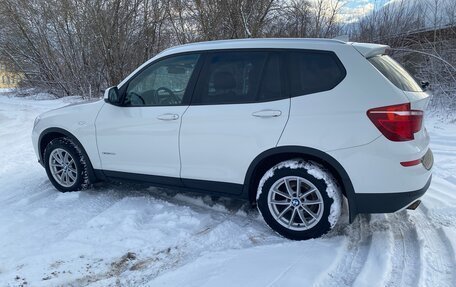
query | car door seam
(96,135)
(286,122)
(179,143)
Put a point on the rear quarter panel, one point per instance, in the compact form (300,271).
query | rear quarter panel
(337,119)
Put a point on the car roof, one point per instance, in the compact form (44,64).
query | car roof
(277,43)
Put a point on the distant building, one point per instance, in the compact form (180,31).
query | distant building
(8,79)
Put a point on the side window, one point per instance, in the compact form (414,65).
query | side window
(230,78)
(313,72)
(162,83)
(271,87)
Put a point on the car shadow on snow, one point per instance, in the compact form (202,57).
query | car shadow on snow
(123,189)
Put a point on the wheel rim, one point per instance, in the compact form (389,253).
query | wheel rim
(63,167)
(295,203)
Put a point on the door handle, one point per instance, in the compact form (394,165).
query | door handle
(267,114)
(168,117)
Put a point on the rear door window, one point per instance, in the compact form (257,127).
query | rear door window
(236,77)
(395,73)
(314,71)
(230,77)
(272,87)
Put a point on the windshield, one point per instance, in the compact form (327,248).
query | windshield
(395,73)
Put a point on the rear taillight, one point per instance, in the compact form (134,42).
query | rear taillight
(398,122)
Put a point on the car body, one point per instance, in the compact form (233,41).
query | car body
(344,105)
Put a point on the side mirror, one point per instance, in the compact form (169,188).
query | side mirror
(424,85)
(111,96)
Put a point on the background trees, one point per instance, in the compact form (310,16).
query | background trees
(82,46)
(69,47)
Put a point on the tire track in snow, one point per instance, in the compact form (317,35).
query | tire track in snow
(221,218)
(188,249)
(350,264)
(437,254)
(379,256)
(406,264)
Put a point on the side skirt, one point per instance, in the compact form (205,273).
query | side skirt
(216,188)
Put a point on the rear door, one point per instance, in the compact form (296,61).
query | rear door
(238,110)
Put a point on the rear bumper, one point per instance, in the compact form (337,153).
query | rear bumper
(387,202)
(376,167)
(381,184)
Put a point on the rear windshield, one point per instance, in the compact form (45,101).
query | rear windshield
(395,73)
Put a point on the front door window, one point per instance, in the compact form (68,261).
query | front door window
(161,84)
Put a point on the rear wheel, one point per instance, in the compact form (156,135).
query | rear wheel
(65,165)
(299,200)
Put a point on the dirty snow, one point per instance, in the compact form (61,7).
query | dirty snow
(132,235)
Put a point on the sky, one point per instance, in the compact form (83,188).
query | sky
(352,10)
(437,12)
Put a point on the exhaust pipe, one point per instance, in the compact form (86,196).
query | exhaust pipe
(414,205)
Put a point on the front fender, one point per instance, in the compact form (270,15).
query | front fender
(51,133)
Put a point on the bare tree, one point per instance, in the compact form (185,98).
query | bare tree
(79,47)
(325,18)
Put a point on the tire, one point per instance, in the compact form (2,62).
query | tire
(301,214)
(65,165)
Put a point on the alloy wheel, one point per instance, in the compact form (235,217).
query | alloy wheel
(63,167)
(295,203)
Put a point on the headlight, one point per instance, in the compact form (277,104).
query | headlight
(37,120)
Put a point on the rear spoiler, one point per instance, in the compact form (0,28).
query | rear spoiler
(369,50)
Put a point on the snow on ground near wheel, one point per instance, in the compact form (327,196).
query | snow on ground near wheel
(132,235)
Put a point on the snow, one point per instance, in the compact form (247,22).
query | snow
(121,234)
(378,261)
(281,265)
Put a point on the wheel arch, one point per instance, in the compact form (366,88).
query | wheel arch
(49,134)
(271,157)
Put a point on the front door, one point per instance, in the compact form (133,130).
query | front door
(142,135)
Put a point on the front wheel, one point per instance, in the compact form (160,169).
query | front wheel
(299,200)
(65,165)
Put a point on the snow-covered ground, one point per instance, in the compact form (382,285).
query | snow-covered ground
(132,235)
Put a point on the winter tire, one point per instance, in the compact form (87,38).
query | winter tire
(299,200)
(65,165)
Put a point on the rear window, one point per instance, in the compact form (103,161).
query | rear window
(395,73)
(230,78)
(313,72)
(237,77)
(271,88)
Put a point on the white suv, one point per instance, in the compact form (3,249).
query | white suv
(290,124)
